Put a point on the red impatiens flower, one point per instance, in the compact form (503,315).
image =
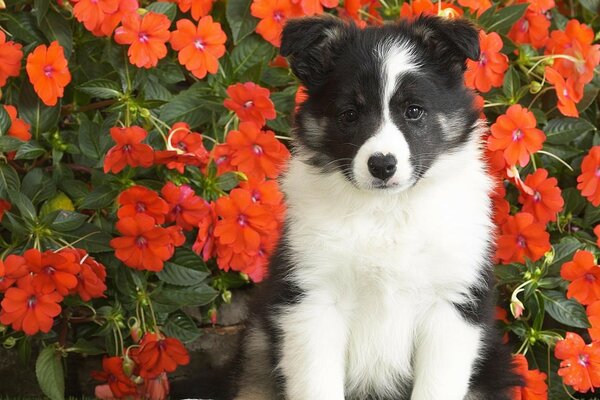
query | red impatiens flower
(13,267)
(312,7)
(221,155)
(147,36)
(205,240)
(18,128)
(48,72)
(412,9)
(273,14)
(53,271)
(91,12)
(28,309)
(129,150)
(546,200)
(532,28)
(516,134)
(157,388)
(597,233)
(569,92)
(185,208)
(476,6)
(589,180)
(10,59)
(580,367)
(584,275)
(489,71)
(111,20)
(250,102)
(184,148)
(91,277)
(593,313)
(522,237)
(119,383)
(255,152)
(535,387)
(144,245)
(158,354)
(200,8)
(141,200)
(266,193)
(199,47)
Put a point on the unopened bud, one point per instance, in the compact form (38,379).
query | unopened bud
(128,365)
(226,296)
(212,314)
(535,87)
(134,330)
(9,342)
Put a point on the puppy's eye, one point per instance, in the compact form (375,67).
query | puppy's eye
(413,112)
(349,116)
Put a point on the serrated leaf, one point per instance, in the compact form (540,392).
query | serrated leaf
(55,27)
(102,196)
(564,130)
(5,121)
(191,106)
(241,22)
(563,310)
(30,151)
(25,206)
(86,347)
(592,215)
(168,9)
(41,8)
(89,237)
(228,181)
(66,221)
(589,96)
(250,52)
(9,179)
(563,252)
(187,258)
(101,89)
(179,275)
(502,20)
(9,143)
(50,374)
(22,26)
(92,142)
(41,117)
(179,325)
(189,296)
(512,84)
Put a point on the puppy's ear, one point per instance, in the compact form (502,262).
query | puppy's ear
(311,45)
(453,40)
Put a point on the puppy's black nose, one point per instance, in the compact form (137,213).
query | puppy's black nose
(382,167)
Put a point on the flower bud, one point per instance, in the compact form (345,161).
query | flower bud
(9,342)
(212,314)
(535,87)
(128,365)
(135,331)
(226,296)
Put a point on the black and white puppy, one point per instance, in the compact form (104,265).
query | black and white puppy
(381,286)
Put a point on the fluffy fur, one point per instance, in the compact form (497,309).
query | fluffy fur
(381,287)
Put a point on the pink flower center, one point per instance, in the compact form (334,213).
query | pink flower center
(597,173)
(49,270)
(524,26)
(566,93)
(143,37)
(257,150)
(126,148)
(48,71)
(521,242)
(242,220)
(182,146)
(589,277)
(31,302)
(583,359)
(255,196)
(140,207)
(517,135)
(177,209)
(248,104)
(141,242)
(482,60)
(278,16)
(221,160)
(537,197)
(199,44)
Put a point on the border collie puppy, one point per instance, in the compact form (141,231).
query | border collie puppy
(381,287)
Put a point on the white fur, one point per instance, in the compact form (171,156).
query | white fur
(380,270)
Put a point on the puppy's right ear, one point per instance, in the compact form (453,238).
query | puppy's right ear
(310,46)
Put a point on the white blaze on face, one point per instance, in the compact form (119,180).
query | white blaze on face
(388,139)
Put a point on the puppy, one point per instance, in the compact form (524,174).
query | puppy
(381,286)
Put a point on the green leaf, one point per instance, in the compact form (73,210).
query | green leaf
(589,96)
(168,9)
(22,26)
(591,5)
(102,196)
(564,130)
(250,52)
(591,215)
(37,186)
(30,151)
(41,117)
(55,27)
(563,252)
(66,221)
(86,347)
(93,141)
(508,273)
(563,310)
(241,22)
(228,181)
(512,84)
(9,179)
(191,106)
(5,122)
(9,143)
(41,8)
(179,275)
(50,374)
(25,206)
(179,325)
(89,237)
(502,20)
(574,203)
(177,297)
(102,88)
(187,258)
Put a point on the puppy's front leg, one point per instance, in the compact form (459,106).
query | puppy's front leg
(446,349)
(313,350)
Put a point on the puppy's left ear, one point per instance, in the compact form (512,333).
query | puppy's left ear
(453,40)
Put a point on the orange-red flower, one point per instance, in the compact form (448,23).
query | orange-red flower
(535,387)
(415,8)
(4,207)
(158,354)
(92,12)
(185,148)
(200,8)
(584,275)
(569,92)
(255,152)
(157,388)
(522,237)
(119,383)
(205,240)
(53,271)
(532,28)
(143,245)
(185,208)
(500,206)
(273,14)
(48,72)
(580,365)
(593,313)
(546,200)
(129,150)
(266,193)
(18,128)
(111,20)
(28,309)
(199,47)
(250,102)
(589,180)
(489,71)
(10,59)
(221,155)
(476,6)
(146,36)
(141,200)
(597,233)
(12,268)
(91,277)
(516,134)
(312,7)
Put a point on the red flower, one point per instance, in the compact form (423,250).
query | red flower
(200,8)
(312,7)
(273,14)
(522,237)
(533,27)
(568,92)
(53,271)
(535,381)
(185,148)
(18,128)
(580,367)
(91,277)
(92,12)
(185,208)
(157,388)
(119,383)
(589,180)
(584,275)
(4,207)
(199,47)
(596,232)
(158,354)
(143,245)
(501,206)
(250,102)
(48,72)
(205,240)
(28,309)
(221,154)
(593,313)
(489,71)
(10,59)
(546,200)
(111,20)
(129,150)
(147,36)
(476,6)
(516,134)
(266,193)
(415,8)
(141,200)
(257,153)
(13,268)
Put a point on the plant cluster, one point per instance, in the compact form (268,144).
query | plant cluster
(140,142)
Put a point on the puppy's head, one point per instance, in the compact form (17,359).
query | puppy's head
(383,103)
